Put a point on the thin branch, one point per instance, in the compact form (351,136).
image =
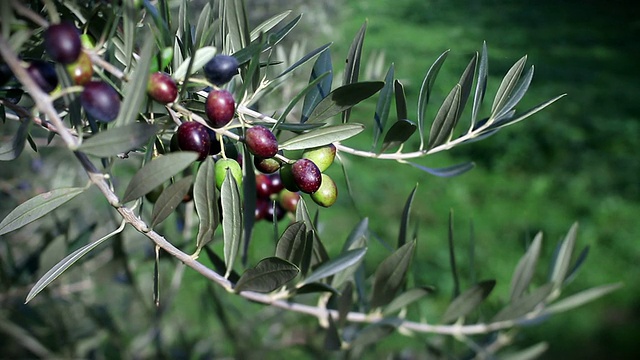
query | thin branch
(43,102)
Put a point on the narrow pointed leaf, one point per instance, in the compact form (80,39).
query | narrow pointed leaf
(135,92)
(577,265)
(333,266)
(512,120)
(563,257)
(304,59)
(404,222)
(405,299)
(311,87)
(401,100)
(517,95)
(156,172)
(524,304)
(322,136)
(391,274)
(442,127)
(581,298)
(343,98)
(268,275)
(450,171)
(466,82)
(345,303)
(245,54)
(384,105)
(321,89)
(468,301)
(205,198)
(237,22)
(12,150)
(169,200)
(481,84)
(66,263)
(526,267)
(268,24)
(332,340)
(426,89)
(352,66)
(249,197)
(37,207)
(398,133)
(118,140)
(231,220)
(508,83)
(291,245)
(201,57)
(357,239)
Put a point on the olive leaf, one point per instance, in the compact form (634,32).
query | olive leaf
(206,202)
(524,270)
(201,57)
(390,275)
(352,66)
(449,171)
(292,243)
(322,88)
(156,172)
(304,59)
(169,199)
(399,132)
(322,136)
(406,298)
(231,219)
(343,98)
(118,140)
(426,90)
(135,92)
(268,275)
(268,24)
(524,304)
(384,105)
(37,207)
(341,262)
(66,263)
(468,300)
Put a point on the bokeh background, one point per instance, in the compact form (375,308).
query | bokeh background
(575,161)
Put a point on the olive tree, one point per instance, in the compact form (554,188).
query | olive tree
(160,109)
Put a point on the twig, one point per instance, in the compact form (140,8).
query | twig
(43,102)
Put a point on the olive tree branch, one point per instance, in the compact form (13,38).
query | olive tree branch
(44,104)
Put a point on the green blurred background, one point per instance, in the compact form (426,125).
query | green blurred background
(575,161)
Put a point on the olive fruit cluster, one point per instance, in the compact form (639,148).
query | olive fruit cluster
(273,201)
(63,44)
(306,175)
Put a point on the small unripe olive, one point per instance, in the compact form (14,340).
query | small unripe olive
(322,156)
(287,178)
(327,194)
(81,70)
(221,171)
(289,200)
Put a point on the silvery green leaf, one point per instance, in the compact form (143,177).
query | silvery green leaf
(118,140)
(391,274)
(468,301)
(341,262)
(156,172)
(231,219)
(343,98)
(426,89)
(322,136)
(201,57)
(526,267)
(66,263)
(37,207)
(268,275)
(169,199)
(205,198)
